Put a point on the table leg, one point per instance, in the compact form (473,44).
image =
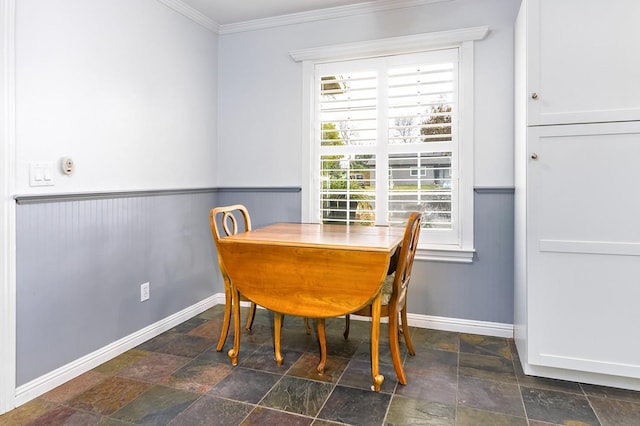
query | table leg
(375,336)
(277,328)
(322,337)
(233,352)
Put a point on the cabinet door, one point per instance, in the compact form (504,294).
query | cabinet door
(584,247)
(583,61)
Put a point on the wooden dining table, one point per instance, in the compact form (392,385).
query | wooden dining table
(311,270)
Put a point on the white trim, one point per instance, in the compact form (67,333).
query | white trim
(61,375)
(392,45)
(462,39)
(322,14)
(445,254)
(590,247)
(305,150)
(587,364)
(623,382)
(466,164)
(7,207)
(193,14)
(455,325)
(485,328)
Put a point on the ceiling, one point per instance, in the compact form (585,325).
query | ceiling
(226,12)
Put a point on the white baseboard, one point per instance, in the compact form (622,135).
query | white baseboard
(55,378)
(456,325)
(484,328)
(61,375)
(608,380)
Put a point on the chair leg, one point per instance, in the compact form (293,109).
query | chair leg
(277,332)
(405,331)
(347,324)
(226,320)
(233,352)
(252,315)
(306,325)
(395,347)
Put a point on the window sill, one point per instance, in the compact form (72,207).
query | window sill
(443,253)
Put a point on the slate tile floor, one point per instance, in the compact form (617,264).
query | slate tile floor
(178,378)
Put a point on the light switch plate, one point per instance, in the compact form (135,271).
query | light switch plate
(41,174)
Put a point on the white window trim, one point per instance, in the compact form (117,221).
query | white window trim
(462,39)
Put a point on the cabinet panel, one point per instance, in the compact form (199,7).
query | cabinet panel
(582,61)
(586,315)
(583,245)
(585,182)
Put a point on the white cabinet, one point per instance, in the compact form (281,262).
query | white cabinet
(577,199)
(582,61)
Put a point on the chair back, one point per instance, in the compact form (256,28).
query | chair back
(405,260)
(226,221)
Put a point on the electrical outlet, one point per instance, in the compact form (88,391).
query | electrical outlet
(144,291)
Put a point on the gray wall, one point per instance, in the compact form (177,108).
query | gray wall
(80,264)
(259,79)
(81,260)
(265,205)
(482,290)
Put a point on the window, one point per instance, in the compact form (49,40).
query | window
(391,132)
(386,141)
(415,172)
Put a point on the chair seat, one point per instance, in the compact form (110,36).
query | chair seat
(387,288)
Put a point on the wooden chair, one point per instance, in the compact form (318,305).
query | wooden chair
(394,295)
(224,222)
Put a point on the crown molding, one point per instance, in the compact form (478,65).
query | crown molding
(392,45)
(322,14)
(192,14)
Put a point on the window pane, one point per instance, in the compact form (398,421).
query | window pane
(421,103)
(347,189)
(421,182)
(387,138)
(348,109)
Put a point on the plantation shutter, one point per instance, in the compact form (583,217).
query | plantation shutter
(386,134)
(348,137)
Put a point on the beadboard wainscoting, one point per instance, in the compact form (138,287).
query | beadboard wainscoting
(81,259)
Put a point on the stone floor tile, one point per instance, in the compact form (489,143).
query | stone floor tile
(490,395)
(109,396)
(472,417)
(75,386)
(245,385)
(298,396)
(409,411)
(156,406)
(210,410)
(355,406)
(558,407)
